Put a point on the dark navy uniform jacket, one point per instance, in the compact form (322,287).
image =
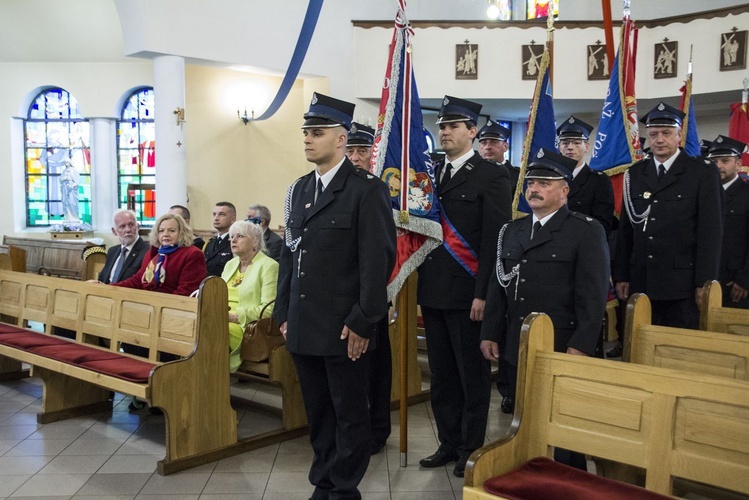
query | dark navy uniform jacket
(679,247)
(563,272)
(477,201)
(339,272)
(734,262)
(591,194)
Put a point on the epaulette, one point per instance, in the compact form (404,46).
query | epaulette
(578,215)
(364,174)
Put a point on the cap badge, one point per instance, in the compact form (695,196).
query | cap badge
(314,98)
(445,101)
(489,123)
(719,139)
(661,107)
(353,129)
(540,153)
(646,195)
(571,120)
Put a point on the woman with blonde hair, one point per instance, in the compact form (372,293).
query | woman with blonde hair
(172,264)
(251,278)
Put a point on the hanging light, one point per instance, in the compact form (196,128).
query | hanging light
(493,11)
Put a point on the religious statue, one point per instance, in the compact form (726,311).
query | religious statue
(69,181)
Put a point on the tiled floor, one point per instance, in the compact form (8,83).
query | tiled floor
(113,455)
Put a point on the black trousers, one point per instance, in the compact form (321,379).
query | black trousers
(335,399)
(682,313)
(461,385)
(380,383)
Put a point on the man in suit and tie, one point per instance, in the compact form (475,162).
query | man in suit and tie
(590,190)
(475,196)
(734,262)
(260,214)
(124,260)
(554,261)
(332,290)
(218,249)
(671,230)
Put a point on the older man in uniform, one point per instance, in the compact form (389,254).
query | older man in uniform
(555,261)
(475,196)
(590,190)
(671,230)
(359,152)
(734,263)
(332,289)
(493,146)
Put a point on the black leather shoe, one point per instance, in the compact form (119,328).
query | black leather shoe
(460,466)
(508,405)
(614,352)
(438,459)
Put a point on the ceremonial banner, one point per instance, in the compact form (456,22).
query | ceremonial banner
(690,139)
(617,143)
(542,131)
(400,158)
(738,127)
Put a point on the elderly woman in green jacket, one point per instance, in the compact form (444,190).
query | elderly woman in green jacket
(251,280)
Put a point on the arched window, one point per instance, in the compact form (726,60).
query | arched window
(58,161)
(136,156)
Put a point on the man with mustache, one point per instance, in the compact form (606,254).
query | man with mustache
(554,261)
(671,230)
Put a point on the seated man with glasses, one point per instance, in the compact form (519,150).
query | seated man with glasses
(259,214)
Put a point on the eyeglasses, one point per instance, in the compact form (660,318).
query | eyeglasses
(254,220)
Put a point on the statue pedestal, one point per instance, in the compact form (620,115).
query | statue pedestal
(71,235)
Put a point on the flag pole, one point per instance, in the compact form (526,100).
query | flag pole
(550,45)
(687,98)
(608,30)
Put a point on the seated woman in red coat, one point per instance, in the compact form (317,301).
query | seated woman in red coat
(172,264)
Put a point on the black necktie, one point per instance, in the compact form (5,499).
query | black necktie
(318,190)
(661,171)
(536,229)
(118,267)
(446,175)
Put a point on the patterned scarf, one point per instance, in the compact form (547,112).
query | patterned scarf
(157,273)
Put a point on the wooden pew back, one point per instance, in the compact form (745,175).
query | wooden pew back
(670,423)
(17,257)
(716,318)
(712,353)
(116,314)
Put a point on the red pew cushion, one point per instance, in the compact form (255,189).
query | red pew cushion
(125,368)
(28,340)
(542,478)
(4,328)
(73,353)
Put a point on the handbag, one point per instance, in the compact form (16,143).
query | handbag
(260,338)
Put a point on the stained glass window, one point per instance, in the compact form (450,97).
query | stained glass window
(58,161)
(542,8)
(136,156)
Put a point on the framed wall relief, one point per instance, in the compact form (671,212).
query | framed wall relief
(531,57)
(598,62)
(467,61)
(666,57)
(733,50)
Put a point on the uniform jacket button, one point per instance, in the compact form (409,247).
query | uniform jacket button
(301,274)
(302,296)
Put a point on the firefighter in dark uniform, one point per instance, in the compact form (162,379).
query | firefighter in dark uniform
(590,190)
(671,229)
(556,262)
(475,198)
(493,145)
(734,262)
(359,152)
(332,289)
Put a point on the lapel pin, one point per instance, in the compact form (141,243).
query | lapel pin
(310,204)
(646,195)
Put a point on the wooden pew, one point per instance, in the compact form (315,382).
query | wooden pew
(17,257)
(716,318)
(78,375)
(670,423)
(708,352)
(52,257)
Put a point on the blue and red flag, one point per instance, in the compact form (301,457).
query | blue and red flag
(617,143)
(690,139)
(738,125)
(400,157)
(542,130)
